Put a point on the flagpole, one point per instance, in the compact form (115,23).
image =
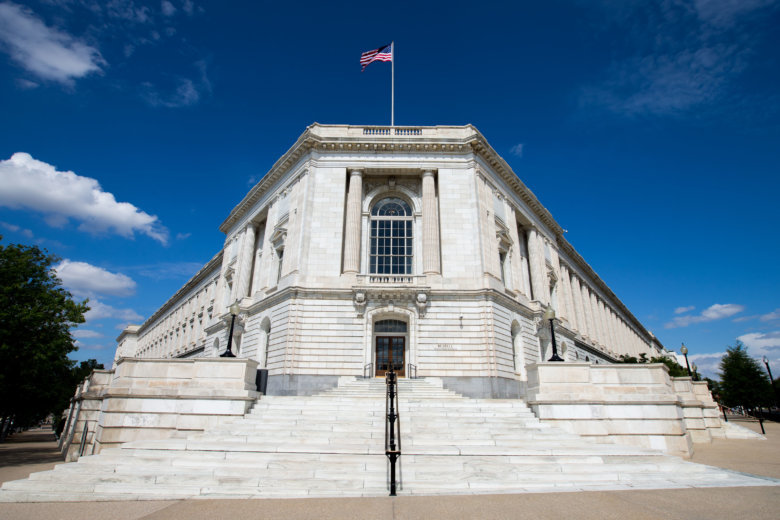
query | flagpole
(392,84)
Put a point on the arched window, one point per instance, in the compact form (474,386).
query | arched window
(391,237)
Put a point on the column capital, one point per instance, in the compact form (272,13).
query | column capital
(428,172)
(355,171)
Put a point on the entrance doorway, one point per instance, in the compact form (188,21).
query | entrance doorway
(390,352)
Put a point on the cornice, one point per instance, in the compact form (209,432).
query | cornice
(215,262)
(430,140)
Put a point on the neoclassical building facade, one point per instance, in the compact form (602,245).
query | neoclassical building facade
(413,246)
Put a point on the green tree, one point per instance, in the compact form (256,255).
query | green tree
(675,370)
(36,315)
(743,381)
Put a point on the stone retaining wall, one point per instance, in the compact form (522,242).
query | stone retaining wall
(637,404)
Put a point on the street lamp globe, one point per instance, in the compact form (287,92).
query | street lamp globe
(235,309)
(683,349)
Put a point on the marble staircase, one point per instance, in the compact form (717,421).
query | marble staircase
(332,444)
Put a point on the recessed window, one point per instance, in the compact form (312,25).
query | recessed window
(391,237)
(390,326)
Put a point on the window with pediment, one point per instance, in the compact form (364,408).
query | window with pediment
(391,237)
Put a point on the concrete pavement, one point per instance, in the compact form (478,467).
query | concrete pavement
(28,452)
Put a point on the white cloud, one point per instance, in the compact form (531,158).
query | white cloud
(183,236)
(167,8)
(85,333)
(682,310)
(100,311)
(45,51)
(712,313)
(84,279)
(32,184)
(517,150)
(761,343)
(774,315)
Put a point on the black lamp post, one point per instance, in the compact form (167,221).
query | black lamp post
(771,379)
(549,314)
(695,371)
(234,310)
(684,352)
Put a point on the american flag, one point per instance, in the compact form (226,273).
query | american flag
(381,54)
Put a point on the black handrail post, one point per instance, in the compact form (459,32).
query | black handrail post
(390,442)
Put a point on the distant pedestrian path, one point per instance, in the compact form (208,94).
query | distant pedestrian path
(27,452)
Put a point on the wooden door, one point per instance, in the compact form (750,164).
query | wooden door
(390,350)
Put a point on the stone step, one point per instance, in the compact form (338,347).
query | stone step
(332,444)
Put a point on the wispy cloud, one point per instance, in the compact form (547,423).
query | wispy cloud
(712,313)
(85,334)
(180,91)
(84,279)
(682,310)
(517,149)
(46,52)
(167,270)
(36,185)
(680,56)
(99,311)
(770,316)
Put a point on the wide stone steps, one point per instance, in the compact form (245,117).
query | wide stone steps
(332,444)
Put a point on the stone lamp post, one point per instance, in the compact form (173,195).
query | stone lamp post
(234,310)
(549,314)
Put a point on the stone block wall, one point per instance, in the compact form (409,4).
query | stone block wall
(630,404)
(84,415)
(147,399)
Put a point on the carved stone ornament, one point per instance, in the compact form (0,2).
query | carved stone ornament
(422,303)
(360,303)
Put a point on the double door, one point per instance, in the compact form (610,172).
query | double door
(390,351)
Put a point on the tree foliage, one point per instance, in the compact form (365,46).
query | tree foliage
(36,315)
(743,381)
(675,370)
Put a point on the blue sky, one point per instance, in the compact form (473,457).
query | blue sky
(648,129)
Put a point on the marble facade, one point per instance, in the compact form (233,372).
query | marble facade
(466,282)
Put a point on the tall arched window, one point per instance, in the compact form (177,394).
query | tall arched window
(391,237)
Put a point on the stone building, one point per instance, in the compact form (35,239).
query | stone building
(418,246)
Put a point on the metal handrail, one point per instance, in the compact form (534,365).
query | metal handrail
(83,438)
(412,373)
(367,371)
(392,429)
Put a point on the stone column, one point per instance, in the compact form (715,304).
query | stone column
(430,217)
(536,261)
(594,311)
(219,297)
(352,228)
(590,331)
(576,292)
(245,257)
(571,312)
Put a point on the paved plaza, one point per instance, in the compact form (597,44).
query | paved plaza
(36,451)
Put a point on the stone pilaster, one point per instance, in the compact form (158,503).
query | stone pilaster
(516,254)
(430,217)
(245,257)
(536,261)
(352,227)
